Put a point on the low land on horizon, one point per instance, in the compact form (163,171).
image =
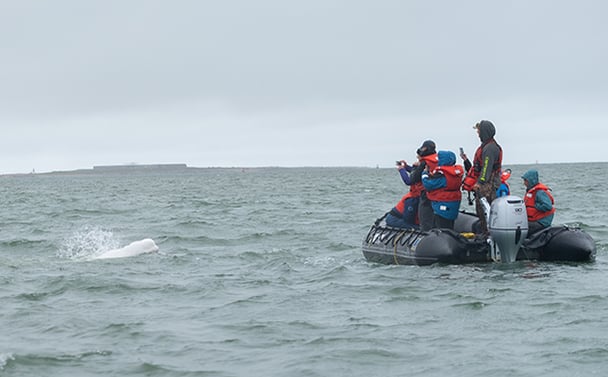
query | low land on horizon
(176,167)
(131,168)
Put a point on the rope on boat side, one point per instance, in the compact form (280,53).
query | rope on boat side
(395,243)
(407,241)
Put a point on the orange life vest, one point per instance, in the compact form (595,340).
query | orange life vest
(451,192)
(400,207)
(530,200)
(431,161)
(416,189)
(469,180)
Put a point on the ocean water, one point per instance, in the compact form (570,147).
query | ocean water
(260,273)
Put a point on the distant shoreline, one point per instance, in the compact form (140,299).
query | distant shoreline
(101,169)
(182,167)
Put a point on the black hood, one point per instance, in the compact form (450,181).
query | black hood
(486,130)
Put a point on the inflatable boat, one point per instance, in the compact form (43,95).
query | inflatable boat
(507,241)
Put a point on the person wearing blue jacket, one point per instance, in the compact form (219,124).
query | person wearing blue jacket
(504,189)
(443,189)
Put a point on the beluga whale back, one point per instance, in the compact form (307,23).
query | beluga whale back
(135,248)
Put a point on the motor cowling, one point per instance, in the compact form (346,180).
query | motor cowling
(508,226)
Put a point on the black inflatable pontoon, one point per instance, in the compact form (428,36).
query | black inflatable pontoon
(508,241)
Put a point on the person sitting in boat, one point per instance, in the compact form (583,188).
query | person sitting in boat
(539,202)
(442,186)
(504,189)
(405,213)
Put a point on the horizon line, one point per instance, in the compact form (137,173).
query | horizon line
(178,166)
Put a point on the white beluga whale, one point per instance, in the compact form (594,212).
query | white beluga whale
(144,246)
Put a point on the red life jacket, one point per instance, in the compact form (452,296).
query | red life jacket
(416,189)
(469,180)
(451,192)
(400,207)
(530,200)
(431,161)
(478,162)
(475,171)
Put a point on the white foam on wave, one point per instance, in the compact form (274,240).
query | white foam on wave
(95,243)
(4,359)
(87,243)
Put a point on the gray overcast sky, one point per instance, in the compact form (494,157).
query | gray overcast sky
(298,83)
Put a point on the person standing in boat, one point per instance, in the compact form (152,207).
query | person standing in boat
(539,202)
(427,158)
(483,178)
(442,186)
(502,190)
(405,213)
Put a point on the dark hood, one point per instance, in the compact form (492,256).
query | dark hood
(486,130)
(532,177)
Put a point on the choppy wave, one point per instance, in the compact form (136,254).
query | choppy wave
(262,274)
(5,358)
(24,243)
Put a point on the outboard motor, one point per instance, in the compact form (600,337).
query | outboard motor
(508,226)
